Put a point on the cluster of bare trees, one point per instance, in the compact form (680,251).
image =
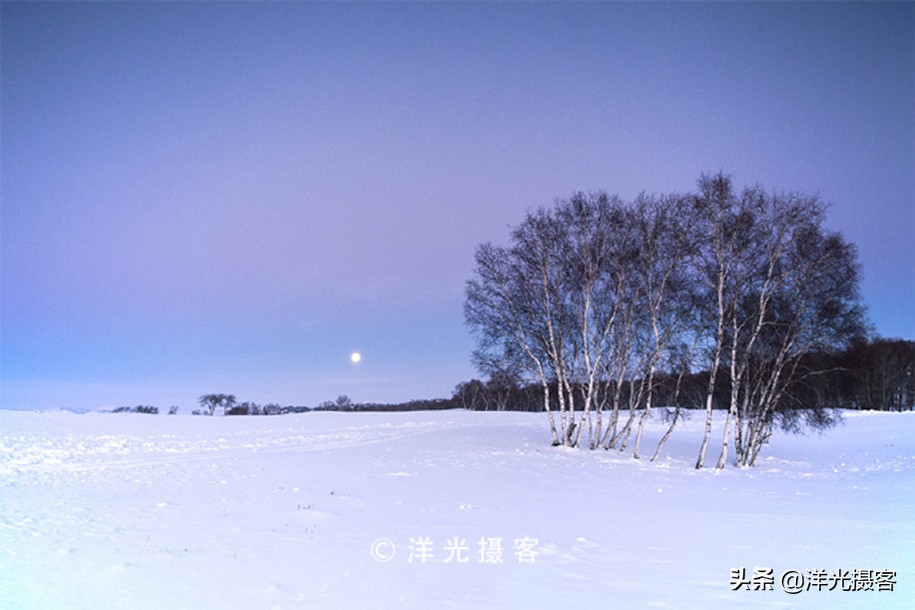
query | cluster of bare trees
(211,402)
(597,299)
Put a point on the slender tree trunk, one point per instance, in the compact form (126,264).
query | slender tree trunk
(667,434)
(713,372)
(599,424)
(732,411)
(635,399)
(722,459)
(638,436)
(610,434)
(709,410)
(676,418)
(646,411)
(563,415)
(549,412)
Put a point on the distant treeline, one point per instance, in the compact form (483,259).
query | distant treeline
(343,404)
(874,375)
(432,404)
(226,404)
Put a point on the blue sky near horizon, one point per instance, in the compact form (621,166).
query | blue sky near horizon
(233,197)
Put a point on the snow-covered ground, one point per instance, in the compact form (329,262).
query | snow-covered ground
(444,509)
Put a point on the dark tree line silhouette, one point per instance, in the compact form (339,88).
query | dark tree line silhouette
(872,374)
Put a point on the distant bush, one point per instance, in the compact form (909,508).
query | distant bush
(291,409)
(252,408)
(138,409)
(243,408)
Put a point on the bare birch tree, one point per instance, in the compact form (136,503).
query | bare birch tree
(759,247)
(595,283)
(814,305)
(723,235)
(667,240)
(500,306)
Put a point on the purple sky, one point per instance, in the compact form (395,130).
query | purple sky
(234,197)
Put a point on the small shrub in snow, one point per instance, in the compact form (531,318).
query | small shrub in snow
(138,409)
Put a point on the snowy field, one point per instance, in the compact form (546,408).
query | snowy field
(446,509)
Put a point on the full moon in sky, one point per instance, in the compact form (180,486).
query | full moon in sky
(355,357)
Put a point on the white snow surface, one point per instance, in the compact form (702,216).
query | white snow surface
(140,511)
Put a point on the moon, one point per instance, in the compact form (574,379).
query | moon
(355,357)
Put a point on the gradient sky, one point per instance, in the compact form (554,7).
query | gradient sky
(202,197)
